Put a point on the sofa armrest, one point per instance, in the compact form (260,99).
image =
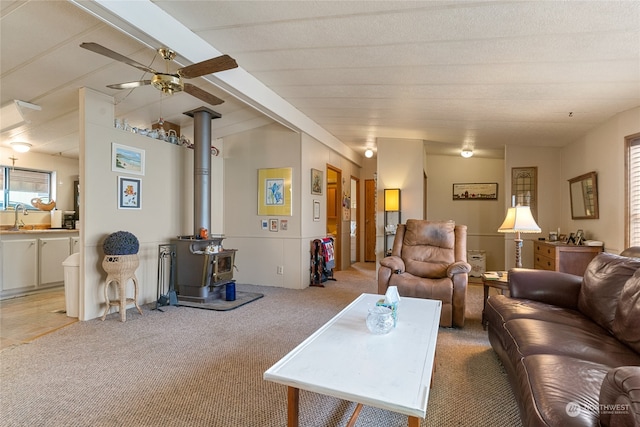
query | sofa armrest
(388,266)
(458,267)
(394,263)
(620,397)
(550,287)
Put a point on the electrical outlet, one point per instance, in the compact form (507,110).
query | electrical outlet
(280,269)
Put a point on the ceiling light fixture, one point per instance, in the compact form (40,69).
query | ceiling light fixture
(368,153)
(21,147)
(466,152)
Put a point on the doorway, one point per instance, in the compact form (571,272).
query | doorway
(334,212)
(369,220)
(354,229)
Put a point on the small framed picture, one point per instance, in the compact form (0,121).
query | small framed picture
(316,182)
(265,224)
(571,238)
(273,225)
(284,224)
(316,210)
(578,237)
(129,193)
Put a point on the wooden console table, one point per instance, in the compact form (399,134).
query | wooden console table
(562,257)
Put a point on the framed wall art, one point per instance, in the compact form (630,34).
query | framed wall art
(274,191)
(316,210)
(317,182)
(273,224)
(127,159)
(129,193)
(475,191)
(524,188)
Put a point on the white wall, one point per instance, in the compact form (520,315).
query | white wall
(167,194)
(260,252)
(66,171)
(400,165)
(601,150)
(482,217)
(548,162)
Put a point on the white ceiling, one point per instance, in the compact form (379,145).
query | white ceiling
(449,72)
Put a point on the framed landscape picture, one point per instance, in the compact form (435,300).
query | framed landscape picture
(475,191)
(127,159)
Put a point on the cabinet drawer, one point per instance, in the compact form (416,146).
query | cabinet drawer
(544,263)
(544,250)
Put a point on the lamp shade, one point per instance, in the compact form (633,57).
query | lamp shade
(392,199)
(519,219)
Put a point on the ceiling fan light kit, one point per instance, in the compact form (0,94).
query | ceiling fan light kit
(167,83)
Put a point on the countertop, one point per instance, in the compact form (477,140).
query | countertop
(38,231)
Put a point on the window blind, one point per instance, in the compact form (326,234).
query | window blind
(633,186)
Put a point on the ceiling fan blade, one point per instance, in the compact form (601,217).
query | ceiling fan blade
(95,47)
(213,65)
(129,85)
(202,95)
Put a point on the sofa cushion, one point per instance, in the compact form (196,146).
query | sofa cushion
(561,385)
(428,247)
(587,342)
(602,284)
(626,324)
(501,308)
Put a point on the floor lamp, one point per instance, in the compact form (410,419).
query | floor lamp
(519,220)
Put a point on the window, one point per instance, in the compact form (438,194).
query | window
(22,185)
(632,173)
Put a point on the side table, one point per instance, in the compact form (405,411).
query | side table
(501,283)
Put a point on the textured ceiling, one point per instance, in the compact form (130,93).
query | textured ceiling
(487,73)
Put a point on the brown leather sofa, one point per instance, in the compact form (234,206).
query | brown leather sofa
(429,260)
(571,345)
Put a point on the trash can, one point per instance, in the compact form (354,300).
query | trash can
(478,260)
(72,284)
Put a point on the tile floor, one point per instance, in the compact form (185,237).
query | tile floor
(26,318)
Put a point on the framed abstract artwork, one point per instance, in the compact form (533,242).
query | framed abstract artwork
(274,191)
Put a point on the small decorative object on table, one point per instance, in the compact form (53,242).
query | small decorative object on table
(380,320)
(120,262)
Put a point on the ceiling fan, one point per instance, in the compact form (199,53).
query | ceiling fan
(170,83)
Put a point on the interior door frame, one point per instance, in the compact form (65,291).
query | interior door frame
(337,244)
(357,216)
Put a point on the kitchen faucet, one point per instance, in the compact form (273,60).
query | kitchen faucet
(16,224)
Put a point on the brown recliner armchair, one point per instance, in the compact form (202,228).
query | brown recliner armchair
(429,260)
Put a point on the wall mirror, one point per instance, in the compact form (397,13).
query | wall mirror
(583,191)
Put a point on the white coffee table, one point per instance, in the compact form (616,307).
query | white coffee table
(344,360)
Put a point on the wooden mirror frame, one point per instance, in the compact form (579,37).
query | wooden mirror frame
(583,189)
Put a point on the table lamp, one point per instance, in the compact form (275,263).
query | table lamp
(519,220)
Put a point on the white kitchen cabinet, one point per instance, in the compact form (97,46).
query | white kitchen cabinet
(19,257)
(75,245)
(53,251)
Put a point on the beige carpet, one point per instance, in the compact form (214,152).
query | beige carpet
(192,367)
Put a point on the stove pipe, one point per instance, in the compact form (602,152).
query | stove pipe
(202,117)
